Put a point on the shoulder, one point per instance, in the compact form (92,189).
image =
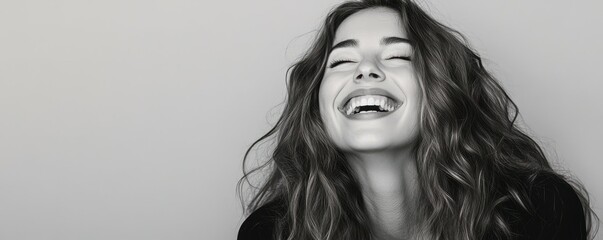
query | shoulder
(261,223)
(556,211)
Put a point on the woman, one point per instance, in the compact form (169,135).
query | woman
(393,129)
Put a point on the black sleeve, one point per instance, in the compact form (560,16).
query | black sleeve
(261,223)
(558,212)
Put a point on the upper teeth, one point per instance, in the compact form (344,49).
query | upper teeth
(385,103)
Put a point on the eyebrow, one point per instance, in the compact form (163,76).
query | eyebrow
(384,41)
(392,40)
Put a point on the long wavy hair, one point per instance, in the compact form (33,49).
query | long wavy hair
(471,154)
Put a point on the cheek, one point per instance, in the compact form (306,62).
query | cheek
(407,80)
(415,100)
(327,94)
(323,98)
(326,100)
(410,84)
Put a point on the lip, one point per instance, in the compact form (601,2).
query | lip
(368,91)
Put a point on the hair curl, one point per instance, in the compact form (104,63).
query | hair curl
(471,155)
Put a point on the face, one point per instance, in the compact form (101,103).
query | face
(369,95)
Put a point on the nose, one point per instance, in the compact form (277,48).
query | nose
(368,71)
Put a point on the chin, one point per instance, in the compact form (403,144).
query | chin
(375,143)
(371,143)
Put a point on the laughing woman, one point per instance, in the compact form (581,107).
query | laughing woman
(393,129)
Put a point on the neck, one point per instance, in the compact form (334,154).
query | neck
(388,182)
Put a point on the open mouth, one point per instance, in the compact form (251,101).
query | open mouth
(368,104)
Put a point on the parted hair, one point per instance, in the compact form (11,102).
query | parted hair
(472,156)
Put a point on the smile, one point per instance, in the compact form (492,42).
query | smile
(365,101)
(369,103)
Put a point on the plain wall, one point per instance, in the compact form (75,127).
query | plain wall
(129,119)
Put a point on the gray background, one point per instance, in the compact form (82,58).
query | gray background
(129,119)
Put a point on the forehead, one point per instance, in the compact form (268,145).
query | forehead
(370,24)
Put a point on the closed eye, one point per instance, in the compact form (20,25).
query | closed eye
(339,62)
(399,57)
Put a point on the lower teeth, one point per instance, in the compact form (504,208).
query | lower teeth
(357,111)
(371,111)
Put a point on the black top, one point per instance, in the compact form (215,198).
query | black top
(558,214)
